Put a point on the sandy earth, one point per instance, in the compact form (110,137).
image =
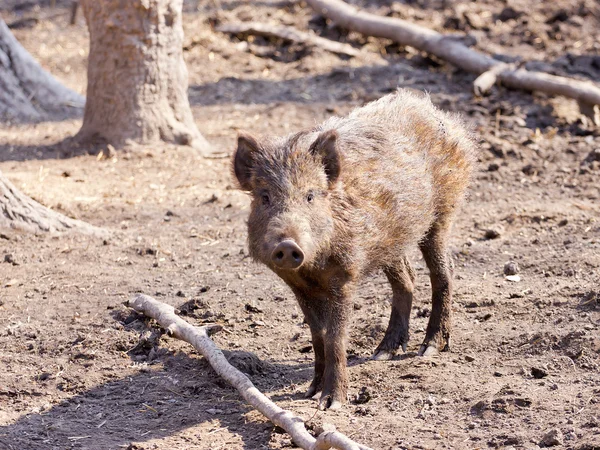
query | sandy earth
(77,370)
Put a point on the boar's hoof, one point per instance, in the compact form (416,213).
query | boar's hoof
(287,255)
(383,355)
(428,350)
(312,392)
(327,402)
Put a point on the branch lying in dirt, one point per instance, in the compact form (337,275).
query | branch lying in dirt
(289,34)
(199,337)
(449,49)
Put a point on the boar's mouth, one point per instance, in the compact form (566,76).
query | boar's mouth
(287,255)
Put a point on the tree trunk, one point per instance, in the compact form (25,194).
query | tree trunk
(17,211)
(137,78)
(28,92)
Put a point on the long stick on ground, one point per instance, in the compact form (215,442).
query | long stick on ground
(199,337)
(289,34)
(449,49)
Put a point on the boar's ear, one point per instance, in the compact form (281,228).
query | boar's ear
(326,146)
(243,160)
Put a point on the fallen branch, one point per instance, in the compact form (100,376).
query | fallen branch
(199,338)
(289,34)
(450,49)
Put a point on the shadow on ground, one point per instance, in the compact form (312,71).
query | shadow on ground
(154,404)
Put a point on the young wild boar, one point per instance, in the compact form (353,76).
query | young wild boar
(349,197)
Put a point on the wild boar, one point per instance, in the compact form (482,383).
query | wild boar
(335,203)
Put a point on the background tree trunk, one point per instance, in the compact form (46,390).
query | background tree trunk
(20,212)
(28,92)
(137,78)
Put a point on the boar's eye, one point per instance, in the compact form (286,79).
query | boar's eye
(266,200)
(310,197)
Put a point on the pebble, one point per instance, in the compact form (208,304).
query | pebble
(494,232)
(552,438)
(469,358)
(511,268)
(10,259)
(538,372)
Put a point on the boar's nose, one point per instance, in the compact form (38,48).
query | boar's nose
(287,255)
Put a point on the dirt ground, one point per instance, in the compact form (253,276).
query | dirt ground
(79,371)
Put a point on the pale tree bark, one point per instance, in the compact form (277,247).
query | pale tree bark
(19,212)
(28,92)
(137,78)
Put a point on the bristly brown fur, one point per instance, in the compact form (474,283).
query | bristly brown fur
(354,193)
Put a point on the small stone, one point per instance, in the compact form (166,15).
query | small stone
(511,268)
(363,396)
(469,358)
(212,199)
(493,167)
(10,259)
(252,309)
(513,278)
(552,438)
(538,373)
(474,20)
(494,232)
(214,411)
(509,13)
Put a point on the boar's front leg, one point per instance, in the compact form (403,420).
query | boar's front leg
(317,331)
(335,377)
(314,314)
(327,316)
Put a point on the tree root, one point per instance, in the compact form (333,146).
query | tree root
(17,211)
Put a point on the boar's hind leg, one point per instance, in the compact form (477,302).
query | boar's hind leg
(435,251)
(401,277)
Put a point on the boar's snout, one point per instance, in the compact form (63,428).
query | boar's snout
(287,255)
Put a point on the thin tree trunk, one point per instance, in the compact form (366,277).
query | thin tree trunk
(28,92)
(137,78)
(17,211)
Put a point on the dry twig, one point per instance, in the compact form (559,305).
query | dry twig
(199,338)
(452,50)
(289,34)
